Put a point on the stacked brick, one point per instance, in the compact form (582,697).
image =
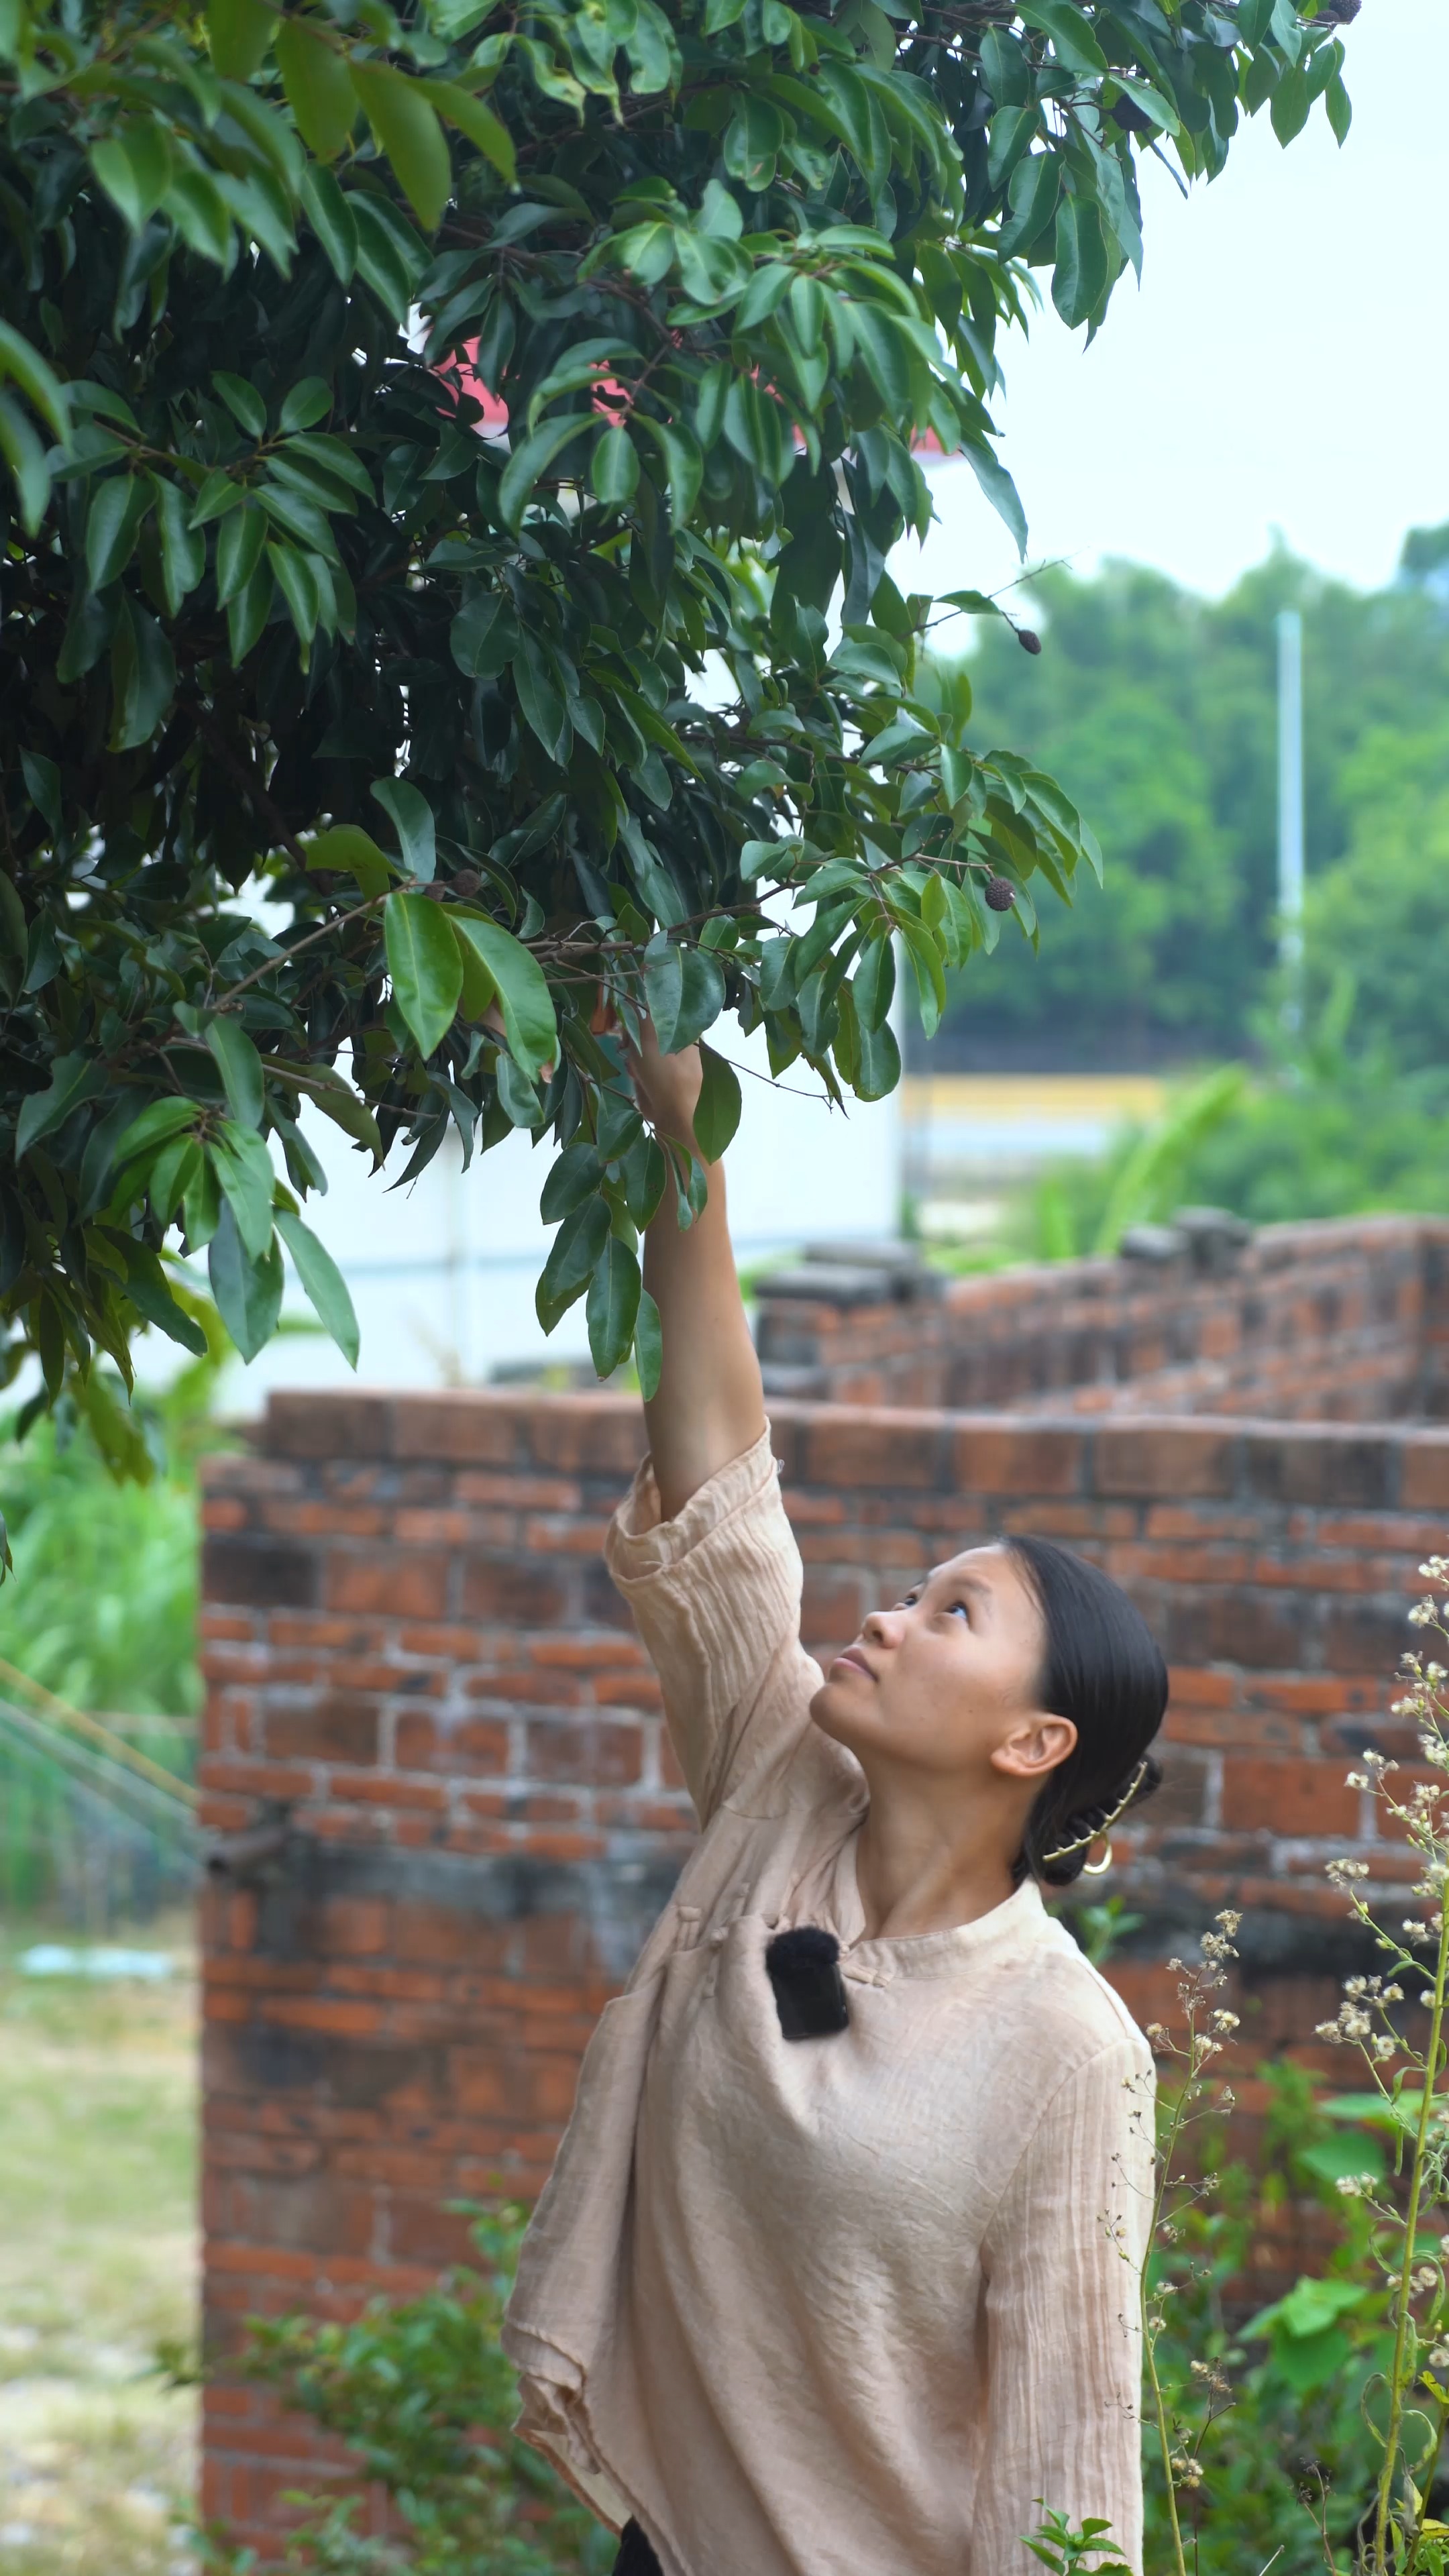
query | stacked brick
(1314,1322)
(418,1669)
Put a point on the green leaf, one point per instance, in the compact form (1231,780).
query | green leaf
(1081,272)
(318,83)
(183,548)
(615,469)
(874,984)
(407,129)
(576,1176)
(482,127)
(247,614)
(242,1165)
(613,1306)
(42,786)
(134,166)
(718,1112)
(1339,108)
(1070,31)
(532,459)
(243,402)
(113,523)
(411,816)
(524,999)
(25,457)
(330,217)
(999,489)
(163,1119)
(423,962)
(879,1067)
(298,586)
(309,401)
(240,1067)
(143,677)
(570,1265)
(354,853)
(247,1287)
(239,543)
(323,1282)
(240,33)
(648,1347)
(73,1079)
(22,365)
(1290,104)
(685,990)
(149,1294)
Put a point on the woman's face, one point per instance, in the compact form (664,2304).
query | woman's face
(947,1680)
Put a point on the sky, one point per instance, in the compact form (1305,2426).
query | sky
(1284,365)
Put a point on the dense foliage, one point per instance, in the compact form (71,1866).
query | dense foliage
(504,725)
(1157,710)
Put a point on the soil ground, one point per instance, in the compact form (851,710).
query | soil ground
(98,2262)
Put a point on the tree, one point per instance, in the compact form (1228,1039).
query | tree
(508,728)
(1157,711)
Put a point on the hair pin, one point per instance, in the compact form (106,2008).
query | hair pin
(1083,1841)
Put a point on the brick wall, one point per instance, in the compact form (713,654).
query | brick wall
(1339,1322)
(414,1658)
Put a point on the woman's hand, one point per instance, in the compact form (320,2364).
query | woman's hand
(667,1087)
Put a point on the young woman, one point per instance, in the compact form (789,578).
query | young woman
(836,2273)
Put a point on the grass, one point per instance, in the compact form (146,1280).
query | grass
(98,2262)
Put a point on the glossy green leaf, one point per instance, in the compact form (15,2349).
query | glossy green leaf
(576,1176)
(323,1281)
(73,1080)
(423,962)
(461,107)
(113,523)
(613,1306)
(874,984)
(25,457)
(143,677)
(718,1112)
(22,365)
(523,995)
(243,1168)
(240,1068)
(247,614)
(577,1247)
(183,548)
(246,1285)
(239,542)
(134,166)
(150,1294)
(330,217)
(348,848)
(240,34)
(411,816)
(318,82)
(614,471)
(407,129)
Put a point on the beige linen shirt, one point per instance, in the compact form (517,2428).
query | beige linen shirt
(844,2306)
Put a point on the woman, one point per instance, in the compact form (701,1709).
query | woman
(836,2273)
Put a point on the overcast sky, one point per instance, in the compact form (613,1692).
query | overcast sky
(1284,365)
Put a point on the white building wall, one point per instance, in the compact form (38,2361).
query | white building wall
(442,1273)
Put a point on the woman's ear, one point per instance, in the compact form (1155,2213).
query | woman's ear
(1035,1746)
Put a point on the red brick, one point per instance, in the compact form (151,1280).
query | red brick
(605,1754)
(474,1746)
(400,1587)
(1016,1458)
(1292,1799)
(342,1727)
(512,1589)
(1424,1471)
(1171,1458)
(845,1447)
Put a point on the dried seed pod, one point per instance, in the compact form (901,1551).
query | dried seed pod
(1000,893)
(465,881)
(1028,638)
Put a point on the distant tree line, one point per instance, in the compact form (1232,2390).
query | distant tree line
(1156,709)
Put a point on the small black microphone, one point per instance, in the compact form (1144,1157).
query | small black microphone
(803,1966)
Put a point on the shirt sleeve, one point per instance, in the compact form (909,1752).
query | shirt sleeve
(715,1594)
(1064,2258)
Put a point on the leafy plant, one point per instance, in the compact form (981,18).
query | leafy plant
(501,729)
(422,2393)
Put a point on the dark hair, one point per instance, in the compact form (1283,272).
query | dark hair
(1103,1669)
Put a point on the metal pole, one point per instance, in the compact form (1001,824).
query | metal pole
(1290,814)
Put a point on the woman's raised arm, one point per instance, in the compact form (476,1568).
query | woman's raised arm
(710,1404)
